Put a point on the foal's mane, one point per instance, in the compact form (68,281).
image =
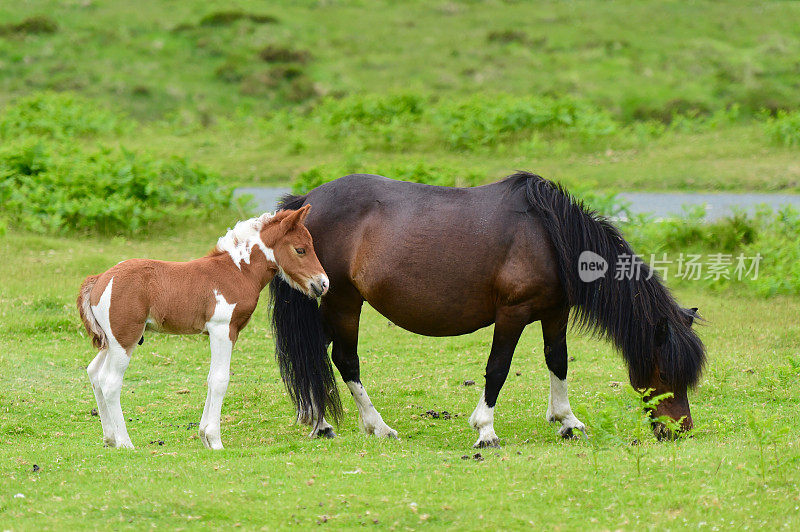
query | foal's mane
(639,314)
(239,241)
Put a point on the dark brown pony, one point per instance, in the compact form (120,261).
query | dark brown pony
(445,261)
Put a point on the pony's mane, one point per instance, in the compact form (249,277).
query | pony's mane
(639,314)
(240,241)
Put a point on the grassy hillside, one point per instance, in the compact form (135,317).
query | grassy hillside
(245,87)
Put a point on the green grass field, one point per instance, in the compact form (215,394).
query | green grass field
(271,475)
(605,96)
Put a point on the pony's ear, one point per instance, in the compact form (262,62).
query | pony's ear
(296,217)
(691,314)
(662,329)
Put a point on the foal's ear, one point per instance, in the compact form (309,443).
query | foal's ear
(295,218)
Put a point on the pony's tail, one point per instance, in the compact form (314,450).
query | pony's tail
(99,339)
(301,348)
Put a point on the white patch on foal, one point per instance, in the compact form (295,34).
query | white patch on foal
(218,327)
(558,408)
(105,373)
(370,420)
(482,420)
(240,241)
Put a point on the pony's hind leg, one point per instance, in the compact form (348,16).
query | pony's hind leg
(321,430)
(554,332)
(93,369)
(508,327)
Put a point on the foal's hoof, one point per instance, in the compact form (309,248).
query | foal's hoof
(567,434)
(327,432)
(492,442)
(572,433)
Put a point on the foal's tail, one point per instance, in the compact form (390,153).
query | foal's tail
(301,347)
(85,308)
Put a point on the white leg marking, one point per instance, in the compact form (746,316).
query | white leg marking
(219,374)
(482,420)
(558,408)
(102,410)
(370,420)
(110,374)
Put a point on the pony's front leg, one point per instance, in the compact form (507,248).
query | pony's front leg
(342,314)
(370,420)
(508,327)
(219,376)
(554,332)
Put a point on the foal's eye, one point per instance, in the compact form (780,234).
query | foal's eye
(300,251)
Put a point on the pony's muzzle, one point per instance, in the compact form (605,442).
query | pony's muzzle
(664,433)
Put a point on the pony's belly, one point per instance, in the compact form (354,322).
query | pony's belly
(433,320)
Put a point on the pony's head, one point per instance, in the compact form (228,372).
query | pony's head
(294,254)
(679,356)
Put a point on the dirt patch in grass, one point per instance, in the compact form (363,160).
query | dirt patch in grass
(281,54)
(39,24)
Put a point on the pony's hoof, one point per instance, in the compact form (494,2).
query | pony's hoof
(125,445)
(483,444)
(327,432)
(109,441)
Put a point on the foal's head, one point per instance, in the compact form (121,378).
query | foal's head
(679,356)
(294,251)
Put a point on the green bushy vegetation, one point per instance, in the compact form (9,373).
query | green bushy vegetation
(52,181)
(784,128)
(59,116)
(262,95)
(768,234)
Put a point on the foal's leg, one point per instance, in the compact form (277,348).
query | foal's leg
(508,327)
(554,332)
(102,410)
(341,318)
(218,379)
(110,378)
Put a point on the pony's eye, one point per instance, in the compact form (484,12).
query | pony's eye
(300,251)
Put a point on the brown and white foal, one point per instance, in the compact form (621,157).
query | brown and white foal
(214,295)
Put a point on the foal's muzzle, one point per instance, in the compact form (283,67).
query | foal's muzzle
(319,286)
